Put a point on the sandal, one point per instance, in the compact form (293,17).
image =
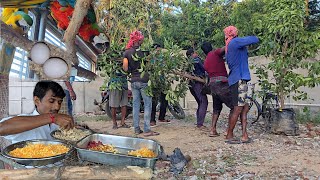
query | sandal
(203,128)
(115,126)
(233,141)
(214,135)
(151,133)
(153,124)
(138,132)
(165,121)
(124,126)
(246,141)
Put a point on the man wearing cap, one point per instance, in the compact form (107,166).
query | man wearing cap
(132,64)
(239,75)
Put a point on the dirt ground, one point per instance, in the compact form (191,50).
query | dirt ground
(269,156)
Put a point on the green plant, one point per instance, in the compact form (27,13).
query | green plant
(306,116)
(287,43)
(189,23)
(162,67)
(122,19)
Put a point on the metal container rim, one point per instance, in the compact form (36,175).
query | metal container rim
(5,150)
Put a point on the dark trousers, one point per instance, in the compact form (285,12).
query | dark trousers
(163,107)
(202,101)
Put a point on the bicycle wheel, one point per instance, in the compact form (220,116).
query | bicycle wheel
(269,104)
(254,112)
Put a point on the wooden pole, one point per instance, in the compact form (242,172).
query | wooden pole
(11,36)
(80,11)
(76,172)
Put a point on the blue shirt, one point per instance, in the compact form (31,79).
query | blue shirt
(237,58)
(198,67)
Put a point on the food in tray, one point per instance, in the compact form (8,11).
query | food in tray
(142,152)
(98,146)
(39,150)
(71,134)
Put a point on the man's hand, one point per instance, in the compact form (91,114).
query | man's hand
(125,64)
(64,121)
(73,95)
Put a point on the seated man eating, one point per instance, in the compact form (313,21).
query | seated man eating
(47,97)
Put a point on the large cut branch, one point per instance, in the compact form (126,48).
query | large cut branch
(80,11)
(76,172)
(186,75)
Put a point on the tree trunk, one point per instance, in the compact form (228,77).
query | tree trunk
(6,54)
(4,95)
(80,11)
(281,97)
(76,172)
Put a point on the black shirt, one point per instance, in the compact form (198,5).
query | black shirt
(134,56)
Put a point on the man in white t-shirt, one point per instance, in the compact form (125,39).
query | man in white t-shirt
(47,97)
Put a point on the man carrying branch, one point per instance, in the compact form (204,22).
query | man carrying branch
(196,87)
(139,83)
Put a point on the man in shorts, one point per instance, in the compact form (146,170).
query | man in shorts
(119,98)
(214,65)
(237,59)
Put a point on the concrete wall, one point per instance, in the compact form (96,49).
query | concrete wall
(20,94)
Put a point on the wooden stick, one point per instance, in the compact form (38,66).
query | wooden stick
(184,74)
(14,38)
(80,11)
(76,172)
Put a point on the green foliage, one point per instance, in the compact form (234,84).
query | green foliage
(286,41)
(125,17)
(162,67)
(110,64)
(306,116)
(195,23)
(247,16)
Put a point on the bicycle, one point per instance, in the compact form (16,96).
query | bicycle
(256,110)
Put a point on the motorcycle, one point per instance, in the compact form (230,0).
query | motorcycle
(175,109)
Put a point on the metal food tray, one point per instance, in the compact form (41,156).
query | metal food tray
(123,145)
(68,141)
(35,161)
